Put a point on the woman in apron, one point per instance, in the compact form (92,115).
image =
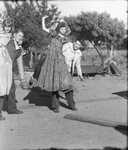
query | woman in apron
(5,63)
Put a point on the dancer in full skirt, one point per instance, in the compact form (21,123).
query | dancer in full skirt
(53,75)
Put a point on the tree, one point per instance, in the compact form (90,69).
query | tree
(124,43)
(97,28)
(28,16)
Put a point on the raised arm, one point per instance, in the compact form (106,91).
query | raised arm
(43,24)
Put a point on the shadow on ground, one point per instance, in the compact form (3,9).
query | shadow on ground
(123,94)
(122,129)
(41,98)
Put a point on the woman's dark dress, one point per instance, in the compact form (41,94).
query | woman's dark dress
(54,75)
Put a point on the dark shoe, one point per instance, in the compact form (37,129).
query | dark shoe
(30,83)
(31,80)
(73,109)
(56,110)
(81,78)
(2,118)
(16,112)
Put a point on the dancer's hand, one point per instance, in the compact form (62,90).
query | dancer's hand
(44,17)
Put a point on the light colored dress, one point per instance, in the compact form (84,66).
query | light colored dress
(77,62)
(68,52)
(5,65)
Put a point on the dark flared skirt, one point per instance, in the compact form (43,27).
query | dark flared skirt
(54,74)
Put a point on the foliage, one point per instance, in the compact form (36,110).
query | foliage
(124,43)
(98,28)
(28,17)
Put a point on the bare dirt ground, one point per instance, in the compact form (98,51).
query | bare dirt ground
(102,97)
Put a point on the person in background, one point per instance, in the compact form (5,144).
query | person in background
(69,53)
(77,59)
(8,25)
(72,53)
(14,50)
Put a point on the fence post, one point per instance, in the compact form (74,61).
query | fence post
(111,51)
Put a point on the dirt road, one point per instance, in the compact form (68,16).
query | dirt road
(38,127)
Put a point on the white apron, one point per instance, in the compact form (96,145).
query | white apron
(5,66)
(77,62)
(68,52)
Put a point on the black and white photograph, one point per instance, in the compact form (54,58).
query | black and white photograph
(63,74)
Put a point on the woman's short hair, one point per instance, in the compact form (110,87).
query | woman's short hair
(8,22)
(60,25)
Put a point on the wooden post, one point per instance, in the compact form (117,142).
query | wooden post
(110,56)
(97,121)
(111,52)
(117,71)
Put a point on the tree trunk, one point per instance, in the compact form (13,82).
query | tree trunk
(112,51)
(100,54)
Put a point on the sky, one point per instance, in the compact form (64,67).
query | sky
(116,8)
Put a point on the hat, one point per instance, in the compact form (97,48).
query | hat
(77,44)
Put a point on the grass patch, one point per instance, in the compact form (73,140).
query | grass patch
(91,57)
